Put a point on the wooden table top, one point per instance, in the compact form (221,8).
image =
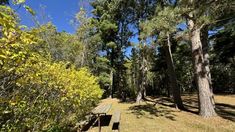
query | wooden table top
(102,109)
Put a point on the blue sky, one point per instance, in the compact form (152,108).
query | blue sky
(60,12)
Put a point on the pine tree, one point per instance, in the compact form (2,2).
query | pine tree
(163,25)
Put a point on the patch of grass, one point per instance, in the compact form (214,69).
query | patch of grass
(158,115)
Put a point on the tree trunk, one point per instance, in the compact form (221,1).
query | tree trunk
(143,77)
(142,91)
(139,96)
(205,48)
(143,70)
(140,86)
(111,73)
(172,75)
(111,84)
(206,108)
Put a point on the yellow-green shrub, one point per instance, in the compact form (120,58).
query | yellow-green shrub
(50,95)
(36,93)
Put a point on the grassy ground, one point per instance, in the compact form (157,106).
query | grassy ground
(158,115)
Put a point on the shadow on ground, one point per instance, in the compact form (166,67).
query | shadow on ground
(104,121)
(166,101)
(226,111)
(143,110)
(128,101)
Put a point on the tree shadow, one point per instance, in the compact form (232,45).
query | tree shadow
(190,102)
(166,101)
(142,110)
(104,121)
(223,110)
(128,101)
(226,111)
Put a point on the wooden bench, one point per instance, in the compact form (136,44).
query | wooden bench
(101,110)
(116,120)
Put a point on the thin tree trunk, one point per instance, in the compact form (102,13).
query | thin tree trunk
(83,58)
(111,84)
(144,70)
(172,75)
(112,74)
(206,108)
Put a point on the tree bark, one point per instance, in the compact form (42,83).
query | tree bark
(206,108)
(172,75)
(205,48)
(143,77)
(111,84)
(140,88)
(143,70)
(112,89)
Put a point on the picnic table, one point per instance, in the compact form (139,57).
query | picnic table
(101,110)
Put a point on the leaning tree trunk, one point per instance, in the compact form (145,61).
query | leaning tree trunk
(172,75)
(206,108)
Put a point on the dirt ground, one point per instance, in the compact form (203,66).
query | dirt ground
(158,115)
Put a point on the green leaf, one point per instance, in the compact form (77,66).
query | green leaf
(3,56)
(19,1)
(30,10)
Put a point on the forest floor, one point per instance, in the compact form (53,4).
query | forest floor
(158,115)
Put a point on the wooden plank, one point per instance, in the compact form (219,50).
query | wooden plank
(107,108)
(97,109)
(102,109)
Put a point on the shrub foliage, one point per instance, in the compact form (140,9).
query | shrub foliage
(37,93)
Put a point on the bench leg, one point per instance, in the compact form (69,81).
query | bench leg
(119,127)
(99,124)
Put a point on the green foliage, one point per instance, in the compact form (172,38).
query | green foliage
(162,23)
(113,32)
(183,65)
(223,59)
(60,46)
(30,10)
(18,1)
(90,40)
